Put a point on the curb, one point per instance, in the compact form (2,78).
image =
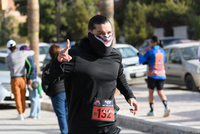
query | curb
(153,127)
(144,125)
(47,106)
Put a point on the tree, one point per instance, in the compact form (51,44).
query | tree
(78,17)
(33,28)
(73,21)
(119,14)
(58,8)
(197,27)
(136,30)
(168,15)
(6,29)
(194,5)
(48,21)
(107,9)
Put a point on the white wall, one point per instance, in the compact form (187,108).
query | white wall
(159,32)
(180,31)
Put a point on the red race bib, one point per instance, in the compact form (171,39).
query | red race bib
(103,110)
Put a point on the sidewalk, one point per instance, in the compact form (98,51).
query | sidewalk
(184,117)
(47,124)
(46,105)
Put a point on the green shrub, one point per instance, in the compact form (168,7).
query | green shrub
(136,30)
(196,23)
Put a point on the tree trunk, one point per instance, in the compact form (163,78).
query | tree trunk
(33,28)
(106,8)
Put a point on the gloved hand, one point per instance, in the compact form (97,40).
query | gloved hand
(138,53)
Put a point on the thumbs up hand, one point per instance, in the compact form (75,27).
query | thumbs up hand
(63,55)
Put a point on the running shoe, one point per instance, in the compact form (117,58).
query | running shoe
(167,111)
(20,117)
(151,113)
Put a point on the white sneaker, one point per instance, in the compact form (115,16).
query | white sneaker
(167,111)
(24,115)
(20,117)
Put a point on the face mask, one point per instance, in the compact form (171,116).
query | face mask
(101,45)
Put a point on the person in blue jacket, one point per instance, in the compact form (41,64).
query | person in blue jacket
(31,78)
(155,58)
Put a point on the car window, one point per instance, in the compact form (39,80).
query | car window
(63,44)
(166,54)
(166,42)
(3,51)
(44,49)
(174,56)
(173,42)
(47,58)
(146,43)
(190,53)
(127,52)
(3,64)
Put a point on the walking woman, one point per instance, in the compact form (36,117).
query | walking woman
(155,58)
(57,93)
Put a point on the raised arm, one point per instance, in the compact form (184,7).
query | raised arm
(28,53)
(57,66)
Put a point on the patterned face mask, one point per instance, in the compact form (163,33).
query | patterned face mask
(102,45)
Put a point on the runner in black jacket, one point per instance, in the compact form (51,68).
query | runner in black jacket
(93,70)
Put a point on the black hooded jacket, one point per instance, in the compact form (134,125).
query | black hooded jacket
(52,89)
(88,77)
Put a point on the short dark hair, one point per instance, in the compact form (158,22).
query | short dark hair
(159,42)
(12,48)
(97,19)
(54,50)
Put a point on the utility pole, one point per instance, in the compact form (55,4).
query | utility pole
(33,28)
(106,8)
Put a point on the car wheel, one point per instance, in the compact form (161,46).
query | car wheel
(189,82)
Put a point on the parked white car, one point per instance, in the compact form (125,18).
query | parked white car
(44,49)
(130,61)
(4,50)
(6,96)
(182,65)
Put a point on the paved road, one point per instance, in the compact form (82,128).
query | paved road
(46,125)
(184,117)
